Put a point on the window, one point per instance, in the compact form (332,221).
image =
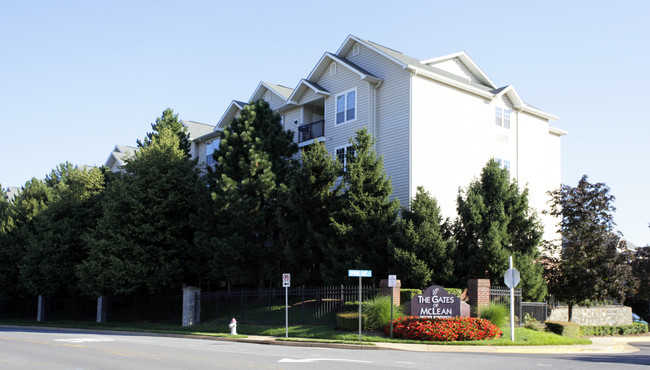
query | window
(267,96)
(332,69)
(505,164)
(346,104)
(342,156)
(502,117)
(210,148)
(355,49)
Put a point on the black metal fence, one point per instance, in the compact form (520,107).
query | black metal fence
(267,306)
(501,295)
(536,310)
(151,308)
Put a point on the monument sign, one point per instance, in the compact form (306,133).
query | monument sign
(435,302)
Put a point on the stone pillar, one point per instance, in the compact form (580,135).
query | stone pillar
(40,313)
(384,289)
(191,305)
(102,309)
(478,292)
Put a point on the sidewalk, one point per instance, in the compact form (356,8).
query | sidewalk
(599,345)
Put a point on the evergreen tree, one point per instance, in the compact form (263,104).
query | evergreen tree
(56,246)
(423,247)
(590,264)
(142,241)
(238,229)
(366,220)
(168,120)
(494,222)
(304,215)
(19,225)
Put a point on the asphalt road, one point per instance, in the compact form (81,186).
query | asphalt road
(52,349)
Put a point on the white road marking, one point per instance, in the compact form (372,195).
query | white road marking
(319,359)
(84,340)
(405,362)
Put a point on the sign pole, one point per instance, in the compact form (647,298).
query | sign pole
(359,308)
(512,305)
(392,281)
(286,312)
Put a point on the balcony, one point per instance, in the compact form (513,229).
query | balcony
(311,131)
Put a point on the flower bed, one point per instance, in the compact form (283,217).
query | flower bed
(443,330)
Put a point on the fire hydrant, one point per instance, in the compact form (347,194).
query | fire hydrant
(233,326)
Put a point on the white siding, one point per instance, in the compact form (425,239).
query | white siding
(455,66)
(453,137)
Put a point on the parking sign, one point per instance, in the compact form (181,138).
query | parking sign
(286,280)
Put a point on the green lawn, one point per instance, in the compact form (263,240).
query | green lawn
(523,336)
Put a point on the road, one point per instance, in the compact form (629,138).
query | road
(55,349)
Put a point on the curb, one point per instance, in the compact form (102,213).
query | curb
(599,344)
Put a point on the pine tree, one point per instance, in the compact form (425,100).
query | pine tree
(56,246)
(238,229)
(423,247)
(494,222)
(168,120)
(366,220)
(143,240)
(304,215)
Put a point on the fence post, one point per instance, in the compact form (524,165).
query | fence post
(190,294)
(478,293)
(102,307)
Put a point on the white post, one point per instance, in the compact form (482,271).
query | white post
(286,311)
(512,306)
(359,308)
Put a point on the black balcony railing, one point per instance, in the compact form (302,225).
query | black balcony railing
(311,131)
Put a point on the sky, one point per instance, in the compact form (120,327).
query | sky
(79,77)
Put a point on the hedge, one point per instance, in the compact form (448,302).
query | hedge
(350,321)
(444,330)
(564,328)
(602,330)
(405,295)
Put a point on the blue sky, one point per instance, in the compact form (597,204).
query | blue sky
(77,78)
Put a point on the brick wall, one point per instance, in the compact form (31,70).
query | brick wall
(478,293)
(388,291)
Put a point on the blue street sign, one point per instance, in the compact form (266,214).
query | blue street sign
(360,273)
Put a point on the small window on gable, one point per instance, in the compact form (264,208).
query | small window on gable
(346,104)
(267,96)
(355,49)
(502,117)
(332,69)
(503,163)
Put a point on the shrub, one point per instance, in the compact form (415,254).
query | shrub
(495,313)
(378,311)
(405,295)
(455,291)
(602,330)
(350,321)
(532,323)
(354,306)
(564,328)
(446,330)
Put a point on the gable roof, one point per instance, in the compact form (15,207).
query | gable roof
(328,57)
(196,129)
(231,112)
(119,154)
(282,92)
(303,86)
(486,88)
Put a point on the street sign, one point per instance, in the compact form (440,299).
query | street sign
(359,273)
(286,280)
(511,278)
(392,281)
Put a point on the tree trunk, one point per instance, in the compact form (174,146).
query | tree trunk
(570,312)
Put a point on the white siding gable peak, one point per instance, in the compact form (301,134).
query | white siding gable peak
(282,92)
(467,62)
(517,103)
(232,111)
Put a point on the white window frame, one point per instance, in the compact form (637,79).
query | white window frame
(267,96)
(209,150)
(333,69)
(503,163)
(355,49)
(346,149)
(345,95)
(502,117)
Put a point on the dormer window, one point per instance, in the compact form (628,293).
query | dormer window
(502,117)
(332,69)
(355,49)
